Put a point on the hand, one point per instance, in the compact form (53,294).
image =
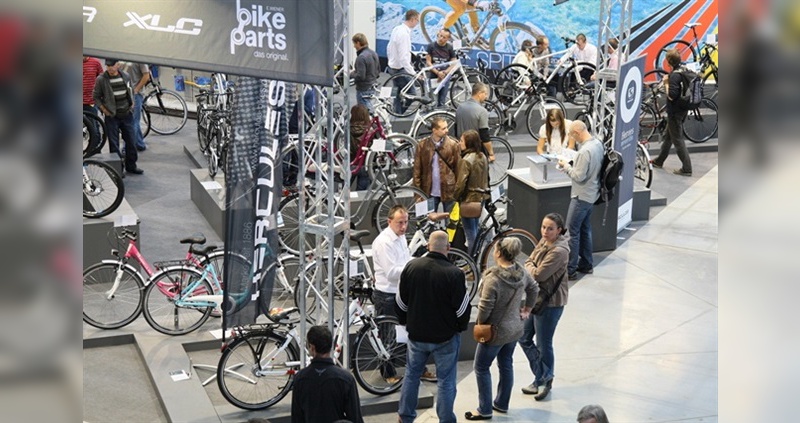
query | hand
(491,158)
(562,164)
(524,314)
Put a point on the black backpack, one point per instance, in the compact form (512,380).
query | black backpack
(610,174)
(692,89)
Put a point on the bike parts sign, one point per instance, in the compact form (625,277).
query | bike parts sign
(279,39)
(626,132)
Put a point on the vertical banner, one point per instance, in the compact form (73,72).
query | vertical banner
(253,193)
(626,132)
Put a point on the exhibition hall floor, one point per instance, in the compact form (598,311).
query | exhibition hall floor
(638,337)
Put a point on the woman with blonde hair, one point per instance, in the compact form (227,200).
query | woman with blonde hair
(553,134)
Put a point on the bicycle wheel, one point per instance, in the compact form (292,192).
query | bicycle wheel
(283,289)
(687,52)
(104,309)
(370,366)
(214,143)
(710,84)
(424,128)
(528,244)
(654,93)
(472,276)
(648,122)
(503,161)
(101,137)
(169,286)
(537,113)
(203,123)
(288,234)
(496,117)
(643,172)
(317,308)
(217,261)
(431,20)
(400,162)
(102,189)
(405,196)
(573,84)
(254,373)
(510,40)
(407,93)
(461,90)
(144,122)
(168,111)
(701,123)
(512,81)
(586,117)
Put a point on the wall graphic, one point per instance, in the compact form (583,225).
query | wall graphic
(655,23)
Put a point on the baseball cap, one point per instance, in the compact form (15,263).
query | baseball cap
(111,62)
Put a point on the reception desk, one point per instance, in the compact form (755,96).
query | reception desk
(532,200)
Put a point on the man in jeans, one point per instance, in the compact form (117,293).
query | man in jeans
(435,164)
(399,54)
(433,303)
(140,76)
(366,71)
(390,255)
(585,174)
(113,96)
(676,114)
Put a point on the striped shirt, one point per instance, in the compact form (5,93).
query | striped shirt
(91,70)
(120,92)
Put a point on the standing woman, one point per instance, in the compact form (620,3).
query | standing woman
(502,289)
(472,187)
(360,121)
(548,266)
(553,134)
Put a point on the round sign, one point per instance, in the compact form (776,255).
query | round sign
(631,94)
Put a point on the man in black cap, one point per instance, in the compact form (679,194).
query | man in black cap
(114,97)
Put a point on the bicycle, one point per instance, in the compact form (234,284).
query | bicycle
(701,55)
(103,189)
(517,93)
(94,134)
(218,134)
(700,125)
(492,230)
(506,37)
(166,109)
(269,356)
(414,91)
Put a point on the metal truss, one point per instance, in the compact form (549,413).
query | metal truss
(605,92)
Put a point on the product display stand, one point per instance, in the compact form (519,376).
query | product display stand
(111,159)
(95,233)
(209,196)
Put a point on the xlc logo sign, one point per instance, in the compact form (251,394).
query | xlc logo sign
(187,26)
(89,12)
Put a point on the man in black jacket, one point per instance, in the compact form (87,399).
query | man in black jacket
(113,95)
(433,303)
(366,71)
(323,391)
(676,114)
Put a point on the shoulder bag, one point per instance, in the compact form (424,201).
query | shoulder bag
(541,302)
(485,333)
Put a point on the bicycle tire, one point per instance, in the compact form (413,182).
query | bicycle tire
(399,163)
(529,242)
(368,367)
(510,40)
(461,92)
(403,94)
(701,123)
(423,130)
(168,114)
(288,234)
(103,191)
(573,90)
(97,147)
(534,118)
(656,97)
(496,117)
(648,122)
(160,310)
(217,260)
(472,275)
(643,170)
(431,20)
(283,290)
(316,312)
(512,81)
(247,352)
(503,161)
(145,122)
(214,143)
(120,310)
(685,49)
(710,89)
(406,196)
(586,117)
(91,136)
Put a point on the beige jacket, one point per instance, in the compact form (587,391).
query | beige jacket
(473,178)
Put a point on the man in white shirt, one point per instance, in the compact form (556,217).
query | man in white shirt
(583,51)
(399,54)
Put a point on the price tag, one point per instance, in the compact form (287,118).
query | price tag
(211,185)
(421,208)
(279,220)
(379,144)
(456,44)
(693,66)
(179,375)
(400,334)
(711,39)
(353,194)
(125,220)
(386,92)
(356,268)
(496,193)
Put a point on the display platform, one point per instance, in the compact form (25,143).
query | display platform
(208,194)
(96,243)
(111,159)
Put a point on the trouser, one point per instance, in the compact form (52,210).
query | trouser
(124,124)
(459,7)
(674,136)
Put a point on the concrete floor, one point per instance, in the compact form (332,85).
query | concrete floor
(639,336)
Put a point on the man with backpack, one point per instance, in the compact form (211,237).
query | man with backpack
(584,171)
(680,99)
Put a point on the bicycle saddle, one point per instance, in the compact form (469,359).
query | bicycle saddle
(204,251)
(356,236)
(197,239)
(692,24)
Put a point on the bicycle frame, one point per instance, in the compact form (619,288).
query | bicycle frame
(421,75)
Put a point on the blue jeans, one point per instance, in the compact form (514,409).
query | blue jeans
(124,124)
(579,224)
(138,99)
(446,357)
(399,83)
(529,346)
(545,329)
(470,225)
(442,100)
(384,303)
(484,356)
(447,206)
(364,98)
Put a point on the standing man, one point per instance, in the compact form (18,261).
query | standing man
(399,54)
(433,303)
(472,115)
(92,68)
(140,76)
(676,114)
(323,391)
(365,71)
(114,97)
(441,51)
(585,175)
(435,165)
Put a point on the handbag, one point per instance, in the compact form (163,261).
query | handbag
(541,302)
(484,333)
(470,209)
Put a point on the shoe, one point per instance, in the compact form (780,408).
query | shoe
(141,148)
(428,376)
(135,171)
(656,165)
(588,271)
(681,172)
(545,391)
(531,389)
(573,276)
(470,416)
(392,380)
(498,409)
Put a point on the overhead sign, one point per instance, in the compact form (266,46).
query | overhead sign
(283,40)
(626,132)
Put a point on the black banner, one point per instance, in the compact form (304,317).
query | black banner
(285,40)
